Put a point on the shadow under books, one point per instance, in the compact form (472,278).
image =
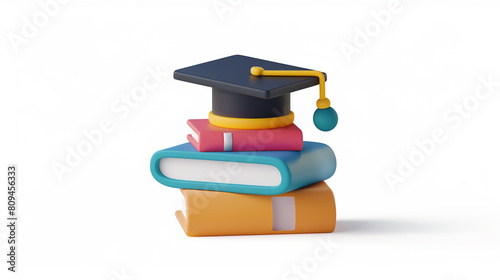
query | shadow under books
(388,226)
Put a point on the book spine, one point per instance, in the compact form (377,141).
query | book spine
(251,140)
(268,140)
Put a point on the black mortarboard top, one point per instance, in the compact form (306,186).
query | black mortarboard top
(237,94)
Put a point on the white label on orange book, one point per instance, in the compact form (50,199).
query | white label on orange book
(283,213)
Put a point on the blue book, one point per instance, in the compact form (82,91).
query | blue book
(252,172)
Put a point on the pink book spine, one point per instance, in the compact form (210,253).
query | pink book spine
(279,139)
(215,139)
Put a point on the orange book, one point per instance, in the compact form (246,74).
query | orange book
(309,209)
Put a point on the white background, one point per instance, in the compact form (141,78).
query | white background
(109,219)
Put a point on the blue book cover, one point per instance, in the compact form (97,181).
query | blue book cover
(252,172)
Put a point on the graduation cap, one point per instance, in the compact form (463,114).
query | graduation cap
(251,93)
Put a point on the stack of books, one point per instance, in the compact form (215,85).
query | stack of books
(241,181)
(257,182)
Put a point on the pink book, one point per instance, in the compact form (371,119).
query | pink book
(210,138)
